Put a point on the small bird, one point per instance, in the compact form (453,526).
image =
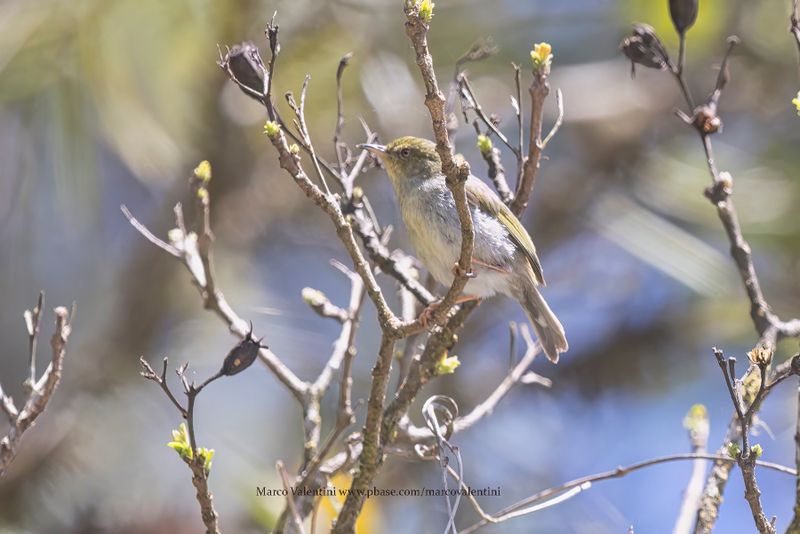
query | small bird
(503,258)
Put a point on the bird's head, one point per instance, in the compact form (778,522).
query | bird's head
(408,157)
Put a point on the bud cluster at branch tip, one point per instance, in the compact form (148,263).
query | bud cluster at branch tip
(426,11)
(180,443)
(542,57)
(272,128)
(203,171)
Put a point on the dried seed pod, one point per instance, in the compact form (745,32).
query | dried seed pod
(244,62)
(242,355)
(643,47)
(683,13)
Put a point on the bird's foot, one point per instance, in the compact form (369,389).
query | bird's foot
(426,316)
(458,271)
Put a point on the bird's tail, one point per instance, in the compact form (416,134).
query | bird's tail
(547,326)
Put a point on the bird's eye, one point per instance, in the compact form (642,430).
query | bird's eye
(405,153)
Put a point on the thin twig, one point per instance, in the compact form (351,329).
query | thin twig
(619,472)
(185,249)
(32,319)
(487,406)
(338,146)
(539,89)
(298,523)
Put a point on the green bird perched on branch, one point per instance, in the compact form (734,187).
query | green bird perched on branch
(503,258)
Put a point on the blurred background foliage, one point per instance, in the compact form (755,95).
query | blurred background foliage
(104,102)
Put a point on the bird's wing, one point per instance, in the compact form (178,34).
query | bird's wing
(481,196)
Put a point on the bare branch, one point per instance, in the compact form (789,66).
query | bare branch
(539,89)
(456,173)
(746,457)
(794,527)
(148,373)
(40,391)
(196,257)
(371,455)
(559,120)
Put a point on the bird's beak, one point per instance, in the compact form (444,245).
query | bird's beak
(374,148)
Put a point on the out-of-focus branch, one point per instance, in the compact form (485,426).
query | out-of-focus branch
(344,351)
(696,422)
(32,318)
(528,505)
(514,376)
(794,526)
(184,246)
(794,27)
(40,391)
(490,153)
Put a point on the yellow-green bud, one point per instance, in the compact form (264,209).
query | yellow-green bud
(358,194)
(313,297)
(757,450)
(484,145)
(697,415)
(734,450)
(796,102)
(180,442)
(203,171)
(272,129)
(426,10)
(446,365)
(294,149)
(542,57)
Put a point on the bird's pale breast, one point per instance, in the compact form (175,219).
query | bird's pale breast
(429,213)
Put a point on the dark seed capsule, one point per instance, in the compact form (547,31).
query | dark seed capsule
(242,355)
(244,61)
(683,13)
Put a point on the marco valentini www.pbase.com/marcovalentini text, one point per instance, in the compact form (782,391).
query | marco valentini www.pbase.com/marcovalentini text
(331,491)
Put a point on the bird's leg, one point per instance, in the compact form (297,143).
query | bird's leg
(491,267)
(427,314)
